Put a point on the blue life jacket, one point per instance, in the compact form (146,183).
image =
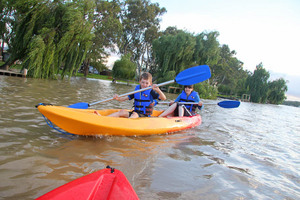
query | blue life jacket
(190,98)
(143,102)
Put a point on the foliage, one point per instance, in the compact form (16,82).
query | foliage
(124,68)
(107,29)
(170,75)
(258,84)
(98,65)
(292,103)
(173,53)
(228,71)
(177,50)
(224,89)
(140,20)
(207,49)
(277,90)
(7,22)
(205,90)
(50,35)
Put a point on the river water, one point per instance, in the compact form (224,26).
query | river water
(251,152)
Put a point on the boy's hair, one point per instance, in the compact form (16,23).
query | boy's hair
(146,76)
(190,86)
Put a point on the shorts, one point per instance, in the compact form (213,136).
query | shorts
(185,112)
(140,114)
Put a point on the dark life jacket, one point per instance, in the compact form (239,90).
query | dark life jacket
(143,102)
(190,98)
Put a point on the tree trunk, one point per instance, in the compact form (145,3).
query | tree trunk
(139,70)
(2,46)
(86,65)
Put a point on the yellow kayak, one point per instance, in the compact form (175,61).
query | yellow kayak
(86,122)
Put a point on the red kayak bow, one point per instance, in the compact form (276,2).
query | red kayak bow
(104,184)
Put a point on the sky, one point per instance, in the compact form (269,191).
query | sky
(266,31)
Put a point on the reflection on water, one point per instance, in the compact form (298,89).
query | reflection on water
(251,152)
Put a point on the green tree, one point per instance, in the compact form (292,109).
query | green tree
(177,50)
(229,72)
(207,48)
(277,90)
(124,68)
(5,23)
(107,29)
(140,20)
(173,53)
(206,91)
(172,30)
(258,84)
(12,13)
(51,35)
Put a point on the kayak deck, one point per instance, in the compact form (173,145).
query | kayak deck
(86,122)
(104,184)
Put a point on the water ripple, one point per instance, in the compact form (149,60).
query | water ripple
(251,152)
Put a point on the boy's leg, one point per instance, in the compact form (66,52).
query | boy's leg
(95,112)
(183,111)
(134,115)
(121,113)
(180,110)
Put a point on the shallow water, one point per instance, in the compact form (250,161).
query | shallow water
(251,152)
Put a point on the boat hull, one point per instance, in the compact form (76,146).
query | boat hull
(86,122)
(104,184)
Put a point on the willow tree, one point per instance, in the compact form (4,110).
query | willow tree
(258,84)
(124,68)
(12,13)
(207,51)
(277,90)
(173,53)
(5,23)
(54,35)
(228,73)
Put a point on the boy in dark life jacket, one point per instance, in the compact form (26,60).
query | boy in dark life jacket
(143,101)
(187,95)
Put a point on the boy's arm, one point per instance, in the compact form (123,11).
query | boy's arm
(116,97)
(162,96)
(197,99)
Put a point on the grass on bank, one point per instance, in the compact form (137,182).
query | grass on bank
(105,77)
(90,75)
(95,76)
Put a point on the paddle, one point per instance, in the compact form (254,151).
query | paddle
(189,76)
(223,104)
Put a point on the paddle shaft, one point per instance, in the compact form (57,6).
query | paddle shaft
(223,104)
(166,102)
(133,92)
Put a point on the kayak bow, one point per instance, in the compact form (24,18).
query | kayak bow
(105,184)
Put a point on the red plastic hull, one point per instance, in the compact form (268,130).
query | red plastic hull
(100,185)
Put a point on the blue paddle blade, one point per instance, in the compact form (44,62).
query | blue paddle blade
(80,105)
(193,75)
(229,104)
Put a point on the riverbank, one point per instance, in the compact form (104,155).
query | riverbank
(16,68)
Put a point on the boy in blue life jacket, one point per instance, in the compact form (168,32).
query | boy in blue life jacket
(143,101)
(187,95)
